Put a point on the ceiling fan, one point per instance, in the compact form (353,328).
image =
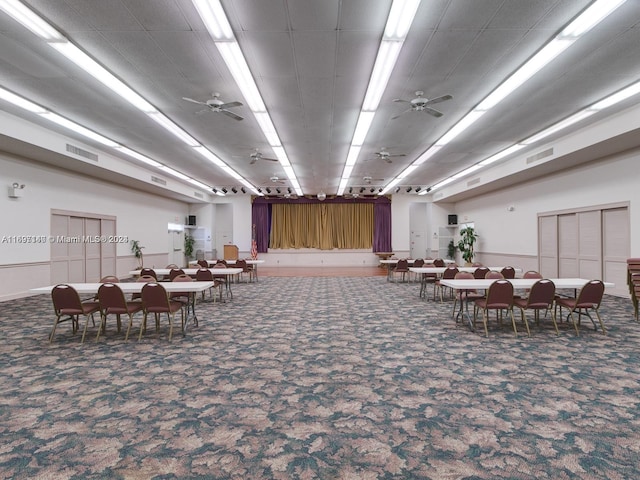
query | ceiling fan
(257,155)
(217,106)
(383,154)
(422,104)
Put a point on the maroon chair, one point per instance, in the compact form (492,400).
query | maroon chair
(67,303)
(499,298)
(156,301)
(463,296)
(174,272)
(439,262)
(449,274)
(203,264)
(148,271)
(508,272)
(589,298)
(205,275)
(480,272)
(541,297)
(402,267)
(113,302)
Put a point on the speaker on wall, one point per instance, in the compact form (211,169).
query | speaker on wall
(453,220)
(192,219)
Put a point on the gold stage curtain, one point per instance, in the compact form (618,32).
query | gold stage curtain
(321,225)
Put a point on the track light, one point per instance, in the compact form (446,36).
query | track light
(278,190)
(408,189)
(243,190)
(417,189)
(397,189)
(361,189)
(259,190)
(224,190)
(289,190)
(350,189)
(234,190)
(372,190)
(268,190)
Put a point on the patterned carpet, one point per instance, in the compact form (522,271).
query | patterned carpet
(320,378)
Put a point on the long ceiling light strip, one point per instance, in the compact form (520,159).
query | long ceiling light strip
(399,22)
(606,102)
(215,20)
(25,16)
(584,22)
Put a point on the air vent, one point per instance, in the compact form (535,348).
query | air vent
(538,156)
(198,195)
(81,152)
(158,180)
(473,182)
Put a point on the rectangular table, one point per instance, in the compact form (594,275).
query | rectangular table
(440,271)
(227,272)
(253,262)
(136,287)
(518,283)
(389,262)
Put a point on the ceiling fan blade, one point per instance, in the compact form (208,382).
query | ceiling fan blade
(397,155)
(443,98)
(433,111)
(269,159)
(230,104)
(193,101)
(401,113)
(231,114)
(204,110)
(253,160)
(401,100)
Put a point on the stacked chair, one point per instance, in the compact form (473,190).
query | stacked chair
(633,281)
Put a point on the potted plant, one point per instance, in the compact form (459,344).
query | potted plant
(136,249)
(468,238)
(451,250)
(189,243)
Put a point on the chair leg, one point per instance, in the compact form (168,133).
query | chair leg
(604,331)
(485,315)
(86,324)
(526,323)
(143,326)
(575,323)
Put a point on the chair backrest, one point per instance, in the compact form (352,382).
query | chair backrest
(590,295)
(65,297)
(146,279)
(203,263)
(172,265)
(204,275)
(183,277)
(464,276)
(223,262)
(494,274)
(476,264)
(148,271)
(418,262)
(480,272)
(174,272)
(532,274)
(403,264)
(500,294)
(450,273)
(439,262)
(508,272)
(109,279)
(241,263)
(110,296)
(542,294)
(154,298)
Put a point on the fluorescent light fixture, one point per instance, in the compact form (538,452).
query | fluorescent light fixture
(104,76)
(19,12)
(400,18)
(500,155)
(384,65)
(441,184)
(347,171)
(525,72)
(199,184)
(352,156)
(392,184)
(343,185)
(459,127)
(174,173)
(21,102)
(617,97)
(281,155)
(593,15)
(407,171)
(466,171)
(209,155)
(138,156)
(166,123)
(559,126)
(264,121)
(362,127)
(55,118)
(233,57)
(428,154)
(214,19)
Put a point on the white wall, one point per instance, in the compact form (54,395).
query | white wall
(140,216)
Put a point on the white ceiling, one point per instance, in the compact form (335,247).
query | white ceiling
(312,61)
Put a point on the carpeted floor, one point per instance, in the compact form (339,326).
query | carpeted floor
(320,378)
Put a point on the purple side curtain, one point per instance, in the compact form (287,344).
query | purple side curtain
(382,227)
(261,218)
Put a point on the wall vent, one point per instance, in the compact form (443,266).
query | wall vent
(198,195)
(473,182)
(158,180)
(538,156)
(81,152)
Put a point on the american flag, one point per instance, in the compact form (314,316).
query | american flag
(254,245)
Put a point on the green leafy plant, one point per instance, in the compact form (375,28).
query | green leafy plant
(136,249)
(466,244)
(451,250)
(189,243)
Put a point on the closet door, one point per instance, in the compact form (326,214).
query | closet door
(616,248)
(568,246)
(548,246)
(589,254)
